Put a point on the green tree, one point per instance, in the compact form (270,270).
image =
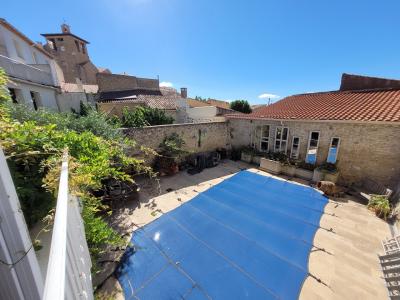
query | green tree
(144,116)
(241,106)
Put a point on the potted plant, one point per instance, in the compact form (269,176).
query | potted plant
(247,154)
(273,162)
(329,172)
(289,168)
(171,151)
(380,205)
(305,170)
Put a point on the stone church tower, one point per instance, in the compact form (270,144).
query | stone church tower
(71,54)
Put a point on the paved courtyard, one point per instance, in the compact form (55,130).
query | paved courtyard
(347,268)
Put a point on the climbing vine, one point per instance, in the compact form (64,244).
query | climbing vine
(33,143)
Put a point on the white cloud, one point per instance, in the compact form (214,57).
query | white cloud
(268,96)
(166,84)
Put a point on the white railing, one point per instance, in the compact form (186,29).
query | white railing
(68,270)
(34,73)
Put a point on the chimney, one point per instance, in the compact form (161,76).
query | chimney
(65,28)
(184,92)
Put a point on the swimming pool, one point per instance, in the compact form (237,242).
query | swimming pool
(248,237)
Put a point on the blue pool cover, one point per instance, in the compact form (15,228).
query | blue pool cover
(248,237)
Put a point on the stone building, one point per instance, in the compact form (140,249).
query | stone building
(356,127)
(71,53)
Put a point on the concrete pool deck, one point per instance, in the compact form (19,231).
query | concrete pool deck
(349,269)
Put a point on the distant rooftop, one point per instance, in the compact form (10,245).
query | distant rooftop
(360,98)
(65,31)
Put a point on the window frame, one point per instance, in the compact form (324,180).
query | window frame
(337,149)
(281,139)
(308,145)
(298,147)
(265,139)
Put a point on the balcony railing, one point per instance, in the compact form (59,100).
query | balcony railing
(68,270)
(34,73)
(68,267)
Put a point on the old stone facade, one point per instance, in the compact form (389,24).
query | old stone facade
(117,82)
(366,150)
(198,137)
(71,53)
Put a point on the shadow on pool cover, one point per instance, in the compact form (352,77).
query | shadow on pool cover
(248,237)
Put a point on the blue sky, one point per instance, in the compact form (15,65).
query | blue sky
(228,49)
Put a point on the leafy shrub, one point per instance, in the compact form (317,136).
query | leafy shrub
(172,146)
(380,205)
(144,116)
(305,166)
(278,156)
(33,143)
(93,121)
(328,167)
(241,106)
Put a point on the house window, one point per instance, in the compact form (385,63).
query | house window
(35,96)
(281,137)
(313,143)
(333,150)
(18,49)
(77,46)
(83,48)
(264,142)
(13,95)
(294,152)
(60,39)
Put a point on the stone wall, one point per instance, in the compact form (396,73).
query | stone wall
(198,137)
(117,82)
(366,150)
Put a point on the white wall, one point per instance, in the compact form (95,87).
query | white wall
(47,95)
(30,55)
(26,49)
(186,114)
(66,101)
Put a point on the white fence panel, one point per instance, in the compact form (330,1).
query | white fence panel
(20,276)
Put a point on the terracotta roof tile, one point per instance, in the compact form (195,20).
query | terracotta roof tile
(368,105)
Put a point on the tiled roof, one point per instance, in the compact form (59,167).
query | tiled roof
(116,95)
(368,105)
(197,103)
(161,102)
(218,103)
